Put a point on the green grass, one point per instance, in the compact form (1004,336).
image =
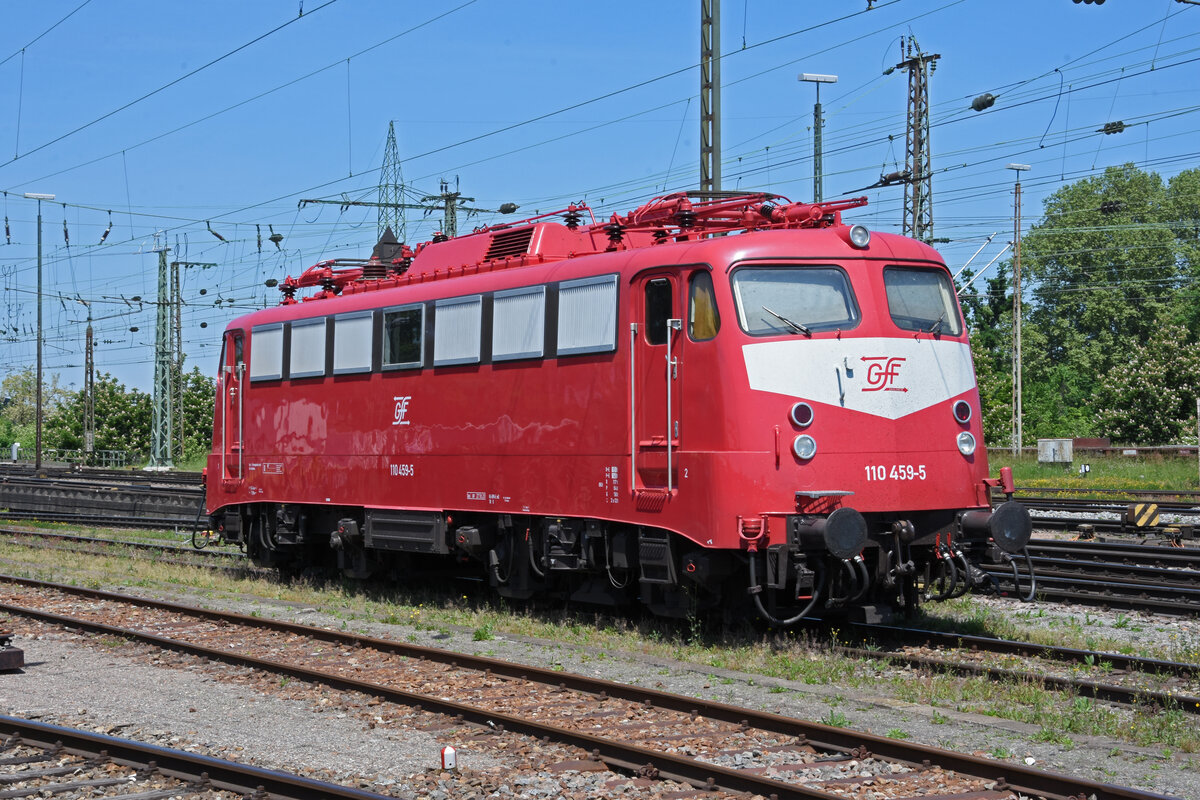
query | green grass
(1131,473)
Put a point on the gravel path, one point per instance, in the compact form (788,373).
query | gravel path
(204,708)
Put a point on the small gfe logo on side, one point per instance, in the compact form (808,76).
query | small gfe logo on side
(401,410)
(882,372)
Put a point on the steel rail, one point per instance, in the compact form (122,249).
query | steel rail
(1145,578)
(1087,688)
(1138,494)
(1034,650)
(17,533)
(1187,557)
(100,473)
(1100,591)
(191,768)
(1095,689)
(147,523)
(615,753)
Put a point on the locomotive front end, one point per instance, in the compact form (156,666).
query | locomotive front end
(859,366)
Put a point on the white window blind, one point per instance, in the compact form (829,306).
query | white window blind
(352,343)
(587,315)
(308,349)
(266,352)
(519,323)
(458,324)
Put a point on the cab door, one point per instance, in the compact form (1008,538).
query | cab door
(655,393)
(233,374)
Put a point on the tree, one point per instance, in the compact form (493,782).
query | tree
(123,419)
(1183,208)
(199,393)
(1152,399)
(18,406)
(1106,265)
(989,320)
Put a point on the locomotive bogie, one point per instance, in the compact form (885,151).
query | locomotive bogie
(778,423)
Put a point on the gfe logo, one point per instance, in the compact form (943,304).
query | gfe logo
(401,410)
(882,373)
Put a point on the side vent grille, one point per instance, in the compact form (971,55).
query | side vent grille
(509,243)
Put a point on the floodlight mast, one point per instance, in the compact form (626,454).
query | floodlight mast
(818,166)
(37,445)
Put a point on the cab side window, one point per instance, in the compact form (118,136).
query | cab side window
(658,310)
(703,319)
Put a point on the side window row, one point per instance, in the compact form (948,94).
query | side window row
(544,321)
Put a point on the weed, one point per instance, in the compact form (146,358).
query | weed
(1054,737)
(483,633)
(835,719)
(896,733)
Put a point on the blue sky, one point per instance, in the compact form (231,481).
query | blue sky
(172,117)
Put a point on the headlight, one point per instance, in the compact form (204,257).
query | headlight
(966,443)
(962,411)
(860,237)
(802,415)
(805,447)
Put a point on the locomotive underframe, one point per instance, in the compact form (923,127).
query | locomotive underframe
(905,559)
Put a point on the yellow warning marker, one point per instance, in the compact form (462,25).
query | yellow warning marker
(1142,515)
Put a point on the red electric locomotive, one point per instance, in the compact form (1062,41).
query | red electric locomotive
(733,402)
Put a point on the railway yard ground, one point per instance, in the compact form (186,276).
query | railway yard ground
(101,683)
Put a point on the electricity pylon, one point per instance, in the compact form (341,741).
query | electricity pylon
(160,432)
(391,188)
(918,189)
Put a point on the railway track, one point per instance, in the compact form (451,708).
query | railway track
(90,500)
(928,648)
(99,474)
(229,561)
(1178,513)
(1049,665)
(703,743)
(1138,577)
(41,760)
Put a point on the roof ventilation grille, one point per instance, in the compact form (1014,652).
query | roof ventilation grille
(509,243)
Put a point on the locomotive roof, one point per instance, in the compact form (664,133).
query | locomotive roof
(687,227)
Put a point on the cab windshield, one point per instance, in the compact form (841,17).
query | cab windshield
(922,300)
(790,301)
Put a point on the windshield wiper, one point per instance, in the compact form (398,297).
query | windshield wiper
(795,326)
(937,326)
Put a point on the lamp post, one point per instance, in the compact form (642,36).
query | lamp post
(1017,432)
(817,80)
(37,446)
